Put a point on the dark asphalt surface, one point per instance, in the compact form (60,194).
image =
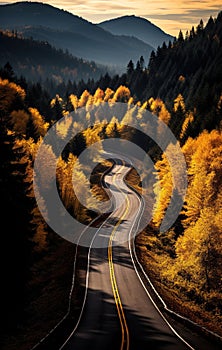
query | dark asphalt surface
(99,327)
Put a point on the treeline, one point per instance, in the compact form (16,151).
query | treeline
(190,66)
(26,237)
(21,129)
(190,254)
(37,60)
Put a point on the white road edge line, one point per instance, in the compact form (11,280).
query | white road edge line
(137,218)
(70,293)
(135,268)
(217,336)
(160,298)
(73,278)
(87,281)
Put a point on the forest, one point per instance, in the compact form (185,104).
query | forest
(182,86)
(37,60)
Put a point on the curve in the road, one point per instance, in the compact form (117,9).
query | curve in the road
(122,311)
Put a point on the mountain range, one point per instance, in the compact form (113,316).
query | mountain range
(37,60)
(111,43)
(137,27)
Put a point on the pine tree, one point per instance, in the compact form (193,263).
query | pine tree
(130,68)
(180,37)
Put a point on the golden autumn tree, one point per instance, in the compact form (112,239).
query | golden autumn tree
(38,224)
(24,122)
(109,93)
(40,127)
(204,170)
(70,173)
(19,120)
(122,94)
(179,103)
(198,250)
(113,128)
(158,107)
(163,189)
(187,122)
(74,101)
(199,253)
(13,95)
(28,123)
(98,96)
(84,98)
(178,115)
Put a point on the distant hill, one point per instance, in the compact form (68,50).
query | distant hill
(138,27)
(190,68)
(38,60)
(67,31)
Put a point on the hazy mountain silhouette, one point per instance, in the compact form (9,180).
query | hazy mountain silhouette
(37,60)
(138,27)
(67,31)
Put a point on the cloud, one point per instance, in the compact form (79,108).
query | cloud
(172,16)
(186,16)
(169,15)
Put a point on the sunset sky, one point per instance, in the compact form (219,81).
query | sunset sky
(171,16)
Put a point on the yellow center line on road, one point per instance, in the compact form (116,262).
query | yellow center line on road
(122,318)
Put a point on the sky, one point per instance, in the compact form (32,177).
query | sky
(171,16)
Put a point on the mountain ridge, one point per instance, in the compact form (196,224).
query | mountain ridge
(128,25)
(85,39)
(37,60)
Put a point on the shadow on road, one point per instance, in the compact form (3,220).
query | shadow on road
(100,329)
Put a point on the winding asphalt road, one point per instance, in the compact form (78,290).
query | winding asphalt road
(118,313)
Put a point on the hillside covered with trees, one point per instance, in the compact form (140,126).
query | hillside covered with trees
(188,69)
(66,31)
(38,60)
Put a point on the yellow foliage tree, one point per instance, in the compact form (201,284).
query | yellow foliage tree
(70,172)
(205,174)
(12,95)
(38,223)
(179,103)
(188,120)
(163,189)
(19,120)
(74,101)
(98,96)
(122,94)
(199,253)
(84,98)
(109,93)
(158,107)
(113,127)
(40,127)
(199,249)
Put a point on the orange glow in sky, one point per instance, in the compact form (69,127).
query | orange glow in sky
(171,16)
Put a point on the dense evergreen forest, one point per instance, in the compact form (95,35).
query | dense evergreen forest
(37,60)
(182,85)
